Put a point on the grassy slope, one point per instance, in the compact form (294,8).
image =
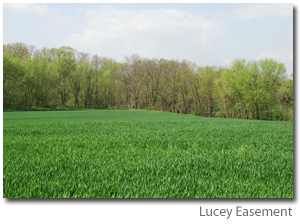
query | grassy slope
(144,154)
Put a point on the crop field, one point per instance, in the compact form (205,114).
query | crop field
(144,154)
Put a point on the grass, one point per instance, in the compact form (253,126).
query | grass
(144,154)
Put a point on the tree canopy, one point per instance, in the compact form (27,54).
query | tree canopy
(67,78)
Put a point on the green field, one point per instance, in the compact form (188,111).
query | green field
(144,154)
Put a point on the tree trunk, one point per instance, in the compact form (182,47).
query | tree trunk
(257,112)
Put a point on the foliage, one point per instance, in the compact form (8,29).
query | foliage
(65,77)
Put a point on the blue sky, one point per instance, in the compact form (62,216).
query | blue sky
(207,34)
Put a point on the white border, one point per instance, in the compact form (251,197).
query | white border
(138,211)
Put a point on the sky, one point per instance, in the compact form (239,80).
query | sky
(206,34)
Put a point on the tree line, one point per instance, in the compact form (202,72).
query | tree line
(64,77)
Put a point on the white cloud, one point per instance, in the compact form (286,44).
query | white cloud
(263,10)
(27,7)
(151,33)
